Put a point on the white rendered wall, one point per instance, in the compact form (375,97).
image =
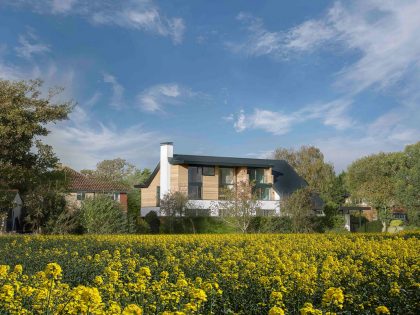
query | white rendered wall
(166,151)
(213,204)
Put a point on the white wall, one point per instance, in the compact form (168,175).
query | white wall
(166,151)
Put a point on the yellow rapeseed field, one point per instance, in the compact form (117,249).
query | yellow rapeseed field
(210,274)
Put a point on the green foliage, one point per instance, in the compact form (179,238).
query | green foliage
(308,161)
(407,183)
(298,206)
(370,227)
(26,163)
(153,221)
(118,170)
(142,227)
(271,224)
(102,215)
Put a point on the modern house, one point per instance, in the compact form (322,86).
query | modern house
(204,178)
(81,187)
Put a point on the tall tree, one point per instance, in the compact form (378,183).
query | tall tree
(373,180)
(309,163)
(26,163)
(408,183)
(298,207)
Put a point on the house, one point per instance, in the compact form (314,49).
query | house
(204,178)
(11,215)
(80,187)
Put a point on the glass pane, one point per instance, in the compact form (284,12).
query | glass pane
(194,174)
(227,176)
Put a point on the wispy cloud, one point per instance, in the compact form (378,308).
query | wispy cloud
(384,34)
(157,97)
(142,15)
(117,99)
(82,142)
(279,122)
(29,45)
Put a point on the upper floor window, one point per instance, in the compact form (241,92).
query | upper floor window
(195,182)
(208,171)
(256,175)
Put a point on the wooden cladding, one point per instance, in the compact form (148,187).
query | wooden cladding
(148,195)
(211,186)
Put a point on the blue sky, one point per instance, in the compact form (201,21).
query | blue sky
(233,78)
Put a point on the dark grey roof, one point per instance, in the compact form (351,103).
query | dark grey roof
(286,180)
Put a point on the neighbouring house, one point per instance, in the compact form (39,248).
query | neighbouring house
(11,215)
(204,178)
(81,187)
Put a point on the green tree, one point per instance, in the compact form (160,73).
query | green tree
(373,180)
(102,215)
(26,163)
(298,207)
(408,183)
(309,163)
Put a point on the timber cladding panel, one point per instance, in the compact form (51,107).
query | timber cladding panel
(148,195)
(211,186)
(179,178)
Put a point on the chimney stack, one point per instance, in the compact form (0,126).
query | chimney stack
(166,152)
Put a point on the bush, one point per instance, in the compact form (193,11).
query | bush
(370,227)
(142,227)
(102,215)
(275,224)
(153,221)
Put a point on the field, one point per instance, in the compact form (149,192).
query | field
(210,274)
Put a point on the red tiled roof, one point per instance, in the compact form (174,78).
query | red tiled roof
(79,182)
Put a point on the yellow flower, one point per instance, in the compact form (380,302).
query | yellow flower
(276,296)
(308,309)
(199,294)
(275,311)
(145,271)
(53,271)
(4,269)
(18,269)
(132,309)
(7,293)
(333,296)
(382,310)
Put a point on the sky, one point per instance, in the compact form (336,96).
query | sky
(230,78)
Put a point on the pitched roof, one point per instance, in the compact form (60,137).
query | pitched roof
(79,182)
(286,180)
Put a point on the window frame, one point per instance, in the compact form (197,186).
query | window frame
(82,195)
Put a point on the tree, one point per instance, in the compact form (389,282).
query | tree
(308,161)
(101,215)
(408,183)
(172,205)
(241,204)
(118,170)
(298,206)
(373,180)
(26,163)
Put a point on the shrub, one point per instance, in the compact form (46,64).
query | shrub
(102,215)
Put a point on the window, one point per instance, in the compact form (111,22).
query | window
(158,196)
(226,180)
(263,193)
(208,171)
(195,182)
(256,175)
(80,195)
(115,196)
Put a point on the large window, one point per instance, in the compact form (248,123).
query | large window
(258,178)
(195,182)
(226,180)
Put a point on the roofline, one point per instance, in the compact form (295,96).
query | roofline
(149,180)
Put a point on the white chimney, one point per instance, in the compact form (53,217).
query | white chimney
(166,152)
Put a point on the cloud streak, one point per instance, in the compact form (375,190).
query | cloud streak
(143,15)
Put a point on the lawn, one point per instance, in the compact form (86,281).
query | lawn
(210,274)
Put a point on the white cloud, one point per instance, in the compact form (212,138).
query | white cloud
(279,123)
(117,99)
(62,6)
(91,101)
(82,142)
(30,45)
(155,98)
(142,15)
(384,34)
